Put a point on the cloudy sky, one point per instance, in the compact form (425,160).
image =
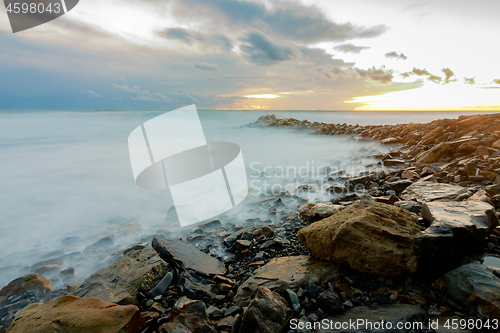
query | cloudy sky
(257,54)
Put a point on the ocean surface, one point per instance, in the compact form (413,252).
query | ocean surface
(68,173)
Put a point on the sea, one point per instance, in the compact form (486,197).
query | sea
(67,173)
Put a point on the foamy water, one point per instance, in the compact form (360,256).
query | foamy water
(68,173)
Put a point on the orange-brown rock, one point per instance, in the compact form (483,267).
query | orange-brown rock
(496,144)
(433,155)
(23,284)
(432,135)
(371,237)
(78,315)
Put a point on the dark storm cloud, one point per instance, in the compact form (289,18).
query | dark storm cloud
(470,81)
(350,48)
(206,67)
(374,74)
(448,74)
(282,19)
(396,55)
(262,51)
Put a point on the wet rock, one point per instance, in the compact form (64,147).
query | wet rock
(374,314)
(78,315)
(162,286)
(398,186)
(429,191)
(232,311)
(371,237)
(266,313)
(240,245)
(248,234)
(122,281)
(412,206)
(134,247)
(476,287)
(126,229)
(319,210)
(190,256)
(210,225)
(23,284)
(329,300)
(48,271)
(294,300)
(394,162)
(410,175)
(191,266)
(213,311)
(454,224)
(344,198)
(192,315)
(284,273)
(102,245)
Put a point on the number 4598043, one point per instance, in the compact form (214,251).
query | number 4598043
(33,8)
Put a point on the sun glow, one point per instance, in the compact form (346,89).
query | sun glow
(265,96)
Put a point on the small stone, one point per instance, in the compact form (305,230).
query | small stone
(162,286)
(213,311)
(224,288)
(232,311)
(294,300)
(149,303)
(330,300)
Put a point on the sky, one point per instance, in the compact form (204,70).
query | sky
(257,55)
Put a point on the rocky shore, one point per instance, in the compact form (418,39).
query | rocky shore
(411,246)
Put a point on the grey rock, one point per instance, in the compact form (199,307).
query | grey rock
(138,271)
(397,186)
(294,300)
(454,224)
(330,300)
(162,286)
(266,313)
(425,191)
(476,287)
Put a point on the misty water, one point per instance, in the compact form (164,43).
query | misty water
(68,174)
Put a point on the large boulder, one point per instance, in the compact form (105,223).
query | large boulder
(284,273)
(318,210)
(23,284)
(430,191)
(454,224)
(78,315)
(476,287)
(137,271)
(371,237)
(267,313)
